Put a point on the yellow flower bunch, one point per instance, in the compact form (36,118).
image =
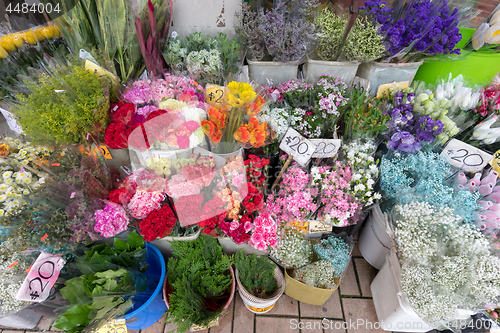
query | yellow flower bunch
(240,93)
(11,42)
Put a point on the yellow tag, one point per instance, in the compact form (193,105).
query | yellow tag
(89,65)
(300,226)
(214,95)
(105,152)
(384,89)
(260,309)
(319,226)
(114,326)
(495,162)
(196,328)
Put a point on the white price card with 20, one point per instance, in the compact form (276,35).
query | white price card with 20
(465,156)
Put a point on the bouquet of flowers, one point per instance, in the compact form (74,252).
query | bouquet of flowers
(487,33)
(236,123)
(362,42)
(407,132)
(206,59)
(414,30)
(283,33)
(450,102)
(446,266)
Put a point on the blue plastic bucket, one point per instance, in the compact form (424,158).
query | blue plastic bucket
(148,311)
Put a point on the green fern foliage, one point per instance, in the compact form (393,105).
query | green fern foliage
(256,274)
(200,280)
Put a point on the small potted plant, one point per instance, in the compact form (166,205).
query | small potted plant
(342,47)
(200,283)
(276,40)
(260,282)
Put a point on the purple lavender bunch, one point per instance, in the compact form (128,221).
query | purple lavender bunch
(427,129)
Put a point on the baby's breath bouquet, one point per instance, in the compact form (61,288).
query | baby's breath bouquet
(293,250)
(446,265)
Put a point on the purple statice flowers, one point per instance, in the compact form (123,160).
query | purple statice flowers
(408,133)
(424,28)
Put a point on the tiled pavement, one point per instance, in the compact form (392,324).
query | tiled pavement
(351,303)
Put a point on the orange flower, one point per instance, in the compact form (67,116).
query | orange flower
(218,117)
(254,108)
(211,130)
(253,133)
(4,150)
(242,134)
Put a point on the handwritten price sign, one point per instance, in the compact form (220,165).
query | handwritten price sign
(41,278)
(299,147)
(214,95)
(326,147)
(114,326)
(319,226)
(465,156)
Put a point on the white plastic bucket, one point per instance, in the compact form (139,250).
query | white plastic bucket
(230,247)
(375,241)
(268,73)
(383,72)
(344,70)
(163,244)
(261,305)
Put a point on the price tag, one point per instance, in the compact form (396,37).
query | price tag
(299,147)
(114,326)
(361,83)
(319,226)
(41,278)
(495,162)
(196,328)
(326,147)
(385,89)
(105,152)
(11,121)
(299,225)
(214,95)
(465,156)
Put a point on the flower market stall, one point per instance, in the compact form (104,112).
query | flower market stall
(147,173)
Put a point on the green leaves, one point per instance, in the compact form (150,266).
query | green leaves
(74,320)
(256,274)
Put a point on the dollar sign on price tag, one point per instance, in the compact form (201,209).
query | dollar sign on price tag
(41,278)
(299,147)
(319,226)
(465,156)
(326,147)
(214,95)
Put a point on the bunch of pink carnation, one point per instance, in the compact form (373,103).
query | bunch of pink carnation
(338,205)
(294,201)
(144,202)
(264,233)
(111,220)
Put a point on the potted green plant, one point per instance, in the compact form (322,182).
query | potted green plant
(260,282)
(276,40)
(341,48)
(200,283)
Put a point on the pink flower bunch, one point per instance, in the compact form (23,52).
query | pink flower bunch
(146,110)
(238,230)
(162,89)
(489,101)
(141,93)
(264,232)
(234,179)
(178,186)
(111,220)
(334,184)
(144,202)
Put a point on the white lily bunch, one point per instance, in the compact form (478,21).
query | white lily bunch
(487,33)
